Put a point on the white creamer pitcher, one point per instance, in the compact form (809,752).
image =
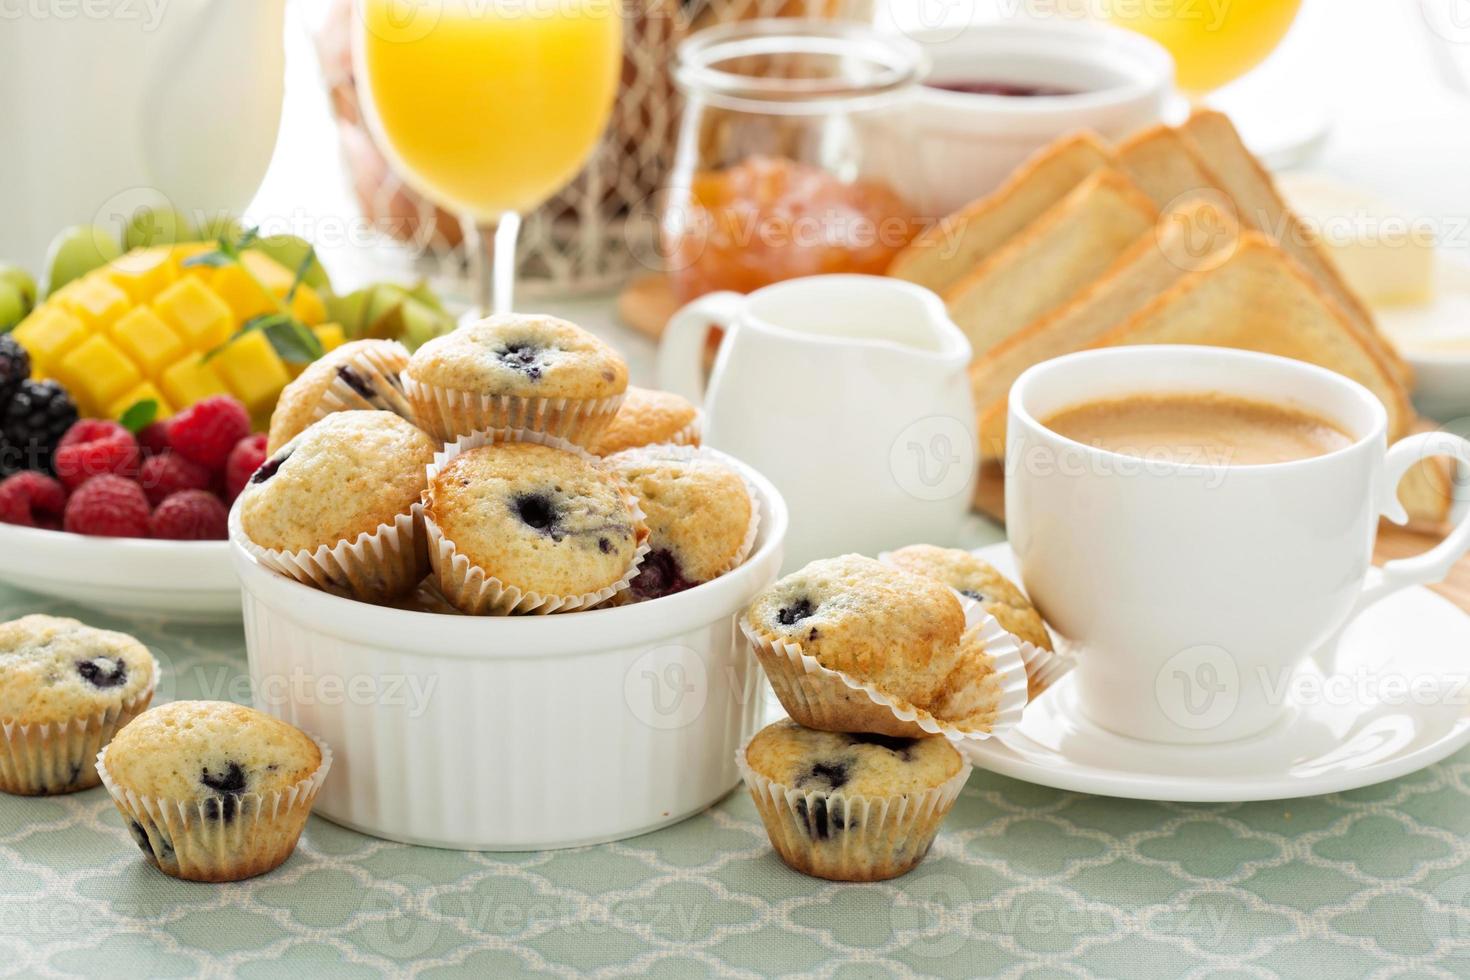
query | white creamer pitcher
(115,104)
(850,394)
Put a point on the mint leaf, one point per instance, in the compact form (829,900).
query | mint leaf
(302,268)
(294,342)
(213,260)
(140,416)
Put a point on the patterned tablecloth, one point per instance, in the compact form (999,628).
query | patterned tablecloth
(1023,881)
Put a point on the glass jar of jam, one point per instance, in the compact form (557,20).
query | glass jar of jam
(770,178)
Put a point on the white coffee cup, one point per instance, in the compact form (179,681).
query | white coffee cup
(850,394)
(1192,591)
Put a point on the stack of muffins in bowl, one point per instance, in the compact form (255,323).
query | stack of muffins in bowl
(884,666)
(498,535)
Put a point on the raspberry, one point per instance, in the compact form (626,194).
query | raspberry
(244,460)
(93,447)
(32,499)
(190,515)
(154,439)
(206,431)
(108,506)
(167,473)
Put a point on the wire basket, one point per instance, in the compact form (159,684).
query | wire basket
(600,229)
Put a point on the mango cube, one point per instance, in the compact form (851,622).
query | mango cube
(145,392)
(191,380)
(182,253)
(96,301)
(200,317)
(97,373)
(144,272)
(150,342)
(49,333)
(330,335)
(253,371)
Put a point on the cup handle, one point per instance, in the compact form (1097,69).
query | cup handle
(681,351)
(1434,564)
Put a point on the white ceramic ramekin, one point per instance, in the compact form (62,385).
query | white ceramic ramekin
(516,733)
(942,149)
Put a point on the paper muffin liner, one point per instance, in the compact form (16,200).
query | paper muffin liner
(747,545)
(832,700)
(376,566)
(381,369)
(53,758)
(184,840)
(1043,667)
(847,836)
(692,434)
(471,589)
(450,413)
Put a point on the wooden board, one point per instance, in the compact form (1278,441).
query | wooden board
(1393,541)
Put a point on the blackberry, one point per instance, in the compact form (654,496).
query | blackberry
(15,367)
(38,416)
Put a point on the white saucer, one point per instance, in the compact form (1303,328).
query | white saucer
(1363,732)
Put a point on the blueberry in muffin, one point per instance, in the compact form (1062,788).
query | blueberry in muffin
(65,690)
(213,791)
(517,371)
(649,417)
(701,516)
(850,806)
(529,527)
(336,508)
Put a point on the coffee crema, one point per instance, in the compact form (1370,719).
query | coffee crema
(1199,427)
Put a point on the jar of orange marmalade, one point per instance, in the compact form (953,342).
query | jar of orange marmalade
(770,178)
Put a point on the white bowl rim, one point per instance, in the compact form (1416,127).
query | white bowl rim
(141,547)
(1146,51)
(517,637)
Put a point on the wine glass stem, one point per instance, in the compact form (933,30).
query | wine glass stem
(494,243)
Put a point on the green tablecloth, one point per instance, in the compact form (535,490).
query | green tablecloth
(1023,880)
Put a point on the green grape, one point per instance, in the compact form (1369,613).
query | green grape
(164,226)
(77,251)
(23,281)
(12,306)
(216,226)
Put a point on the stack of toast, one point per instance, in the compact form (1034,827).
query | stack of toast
(1175,236)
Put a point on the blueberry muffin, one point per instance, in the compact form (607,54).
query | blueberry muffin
(648,417)
(979,580)
(875,624)
(851,807)
(65,690)
(337,507)
(526,527)
(517,371)
(213,791)
(701,516)
(360,375)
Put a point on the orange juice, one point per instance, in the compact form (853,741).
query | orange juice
(489,106)
(1212,41)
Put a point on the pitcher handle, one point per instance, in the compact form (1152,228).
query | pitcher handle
(1434,564)
(681,351)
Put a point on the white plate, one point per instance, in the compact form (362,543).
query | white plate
(1435,340)
(1361,731)
(190,581)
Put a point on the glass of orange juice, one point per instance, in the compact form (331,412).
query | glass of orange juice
(488,107)
(1212,43)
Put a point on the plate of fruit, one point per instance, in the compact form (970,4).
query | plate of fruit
(132,398)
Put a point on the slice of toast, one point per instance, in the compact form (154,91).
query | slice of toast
(1263,300)
(1188,237)
(1161,162)
(1053,259)
(944,253)
(1214,139)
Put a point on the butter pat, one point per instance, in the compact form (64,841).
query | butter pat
(1386,255)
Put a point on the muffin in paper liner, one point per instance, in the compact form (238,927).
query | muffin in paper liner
(51,759)
(692,451)
(376,566)
(846,836)
(449,414)
(987,703)
(179,839)
(472,590)
(382,372)
(1043,667)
